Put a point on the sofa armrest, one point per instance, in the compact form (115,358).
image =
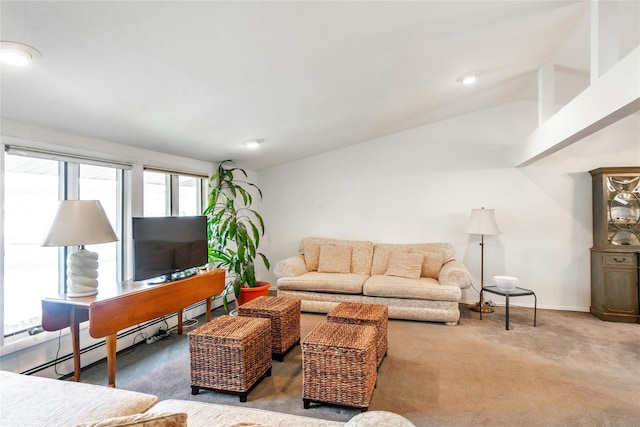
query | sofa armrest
(290,267)
(454,273)
(63,403)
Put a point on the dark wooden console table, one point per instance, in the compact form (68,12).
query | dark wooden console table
(126,305)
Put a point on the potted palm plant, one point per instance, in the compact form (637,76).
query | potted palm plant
(234,232)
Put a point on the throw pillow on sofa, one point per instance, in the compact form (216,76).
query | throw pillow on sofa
(432,263)
(147,419)
(311,256)
(334,259)
(405,264)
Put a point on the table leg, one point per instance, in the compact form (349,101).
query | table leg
(507,304)
(112,341)
(180,322)
(535,308)
(208,309)
(74,328)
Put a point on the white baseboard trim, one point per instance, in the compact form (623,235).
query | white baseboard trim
(515,302)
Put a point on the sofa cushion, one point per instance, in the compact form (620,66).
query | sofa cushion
(334,259)
(400,287)
(211,414)
(379,419)
(405,264)
(361,256)
(382,253)
(338,283)
(19,393)
(431,264)
(311,254)
(148,419)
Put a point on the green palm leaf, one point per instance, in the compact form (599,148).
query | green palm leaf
(234,227)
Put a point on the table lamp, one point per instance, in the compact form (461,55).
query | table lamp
(79,223)
(482,222)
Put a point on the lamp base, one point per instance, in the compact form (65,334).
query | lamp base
(481,307)
(82,273)
(72,294)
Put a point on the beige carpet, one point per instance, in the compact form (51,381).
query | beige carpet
(570,370)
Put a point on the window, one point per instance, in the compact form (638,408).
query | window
(34,182)
(32,188)
(30,271)
(190,195)
(104,184)
(156,185)
(173,194)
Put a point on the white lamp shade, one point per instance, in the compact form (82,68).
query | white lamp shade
(482,221)
(80,222)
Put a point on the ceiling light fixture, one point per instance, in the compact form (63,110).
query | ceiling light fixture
(467,79)
(253,143)
(17,54)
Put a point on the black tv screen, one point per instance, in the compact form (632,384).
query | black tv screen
(166,246)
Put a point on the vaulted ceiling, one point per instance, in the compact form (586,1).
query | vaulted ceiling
(199,78)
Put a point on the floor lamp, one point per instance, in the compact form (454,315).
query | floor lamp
(482,222)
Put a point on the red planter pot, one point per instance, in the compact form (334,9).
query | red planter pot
(247,294)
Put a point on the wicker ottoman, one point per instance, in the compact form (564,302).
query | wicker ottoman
(365,314)
(284,314)
(339,365)
(230,354)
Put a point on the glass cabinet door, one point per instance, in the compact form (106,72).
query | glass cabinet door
(623,210)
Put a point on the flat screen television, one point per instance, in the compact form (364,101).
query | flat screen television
(168,248)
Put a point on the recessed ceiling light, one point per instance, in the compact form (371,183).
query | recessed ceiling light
(467,79)
(253,143)
(17,54)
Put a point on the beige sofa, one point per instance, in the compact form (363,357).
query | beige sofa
(420,281)
(33,401)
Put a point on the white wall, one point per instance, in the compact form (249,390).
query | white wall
(420,186)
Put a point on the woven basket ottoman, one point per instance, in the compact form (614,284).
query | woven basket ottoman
(339,365)
(365,314)
(230,354)
(284,314)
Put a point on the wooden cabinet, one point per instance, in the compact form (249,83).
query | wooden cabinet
(614,285)
(616,244)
